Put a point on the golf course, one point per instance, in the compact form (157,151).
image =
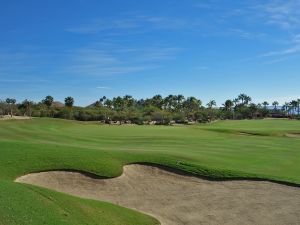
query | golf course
(257,151)
(149,112)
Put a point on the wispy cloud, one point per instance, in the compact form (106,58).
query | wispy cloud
(12,81)
(103,87)
(276,60)
(203,5)
(102,59)
(288,51)
(283,13)
(99,60)
(23,81)
(201,68)
(129,22)
(158,53)
(96,26)
(238,32)
(283,54)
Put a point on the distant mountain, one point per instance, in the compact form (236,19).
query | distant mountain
(58,104)
(96,103)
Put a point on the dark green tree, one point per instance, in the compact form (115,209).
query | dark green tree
(253,109)
(27,105)
(191,104)
(298,101)
(265,104)
(275,104)
(69,102)
(228,105)
(245,99)
(211,104)
(11,102)
(294,106)
(48,101)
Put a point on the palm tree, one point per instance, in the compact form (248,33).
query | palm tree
(2,108)
(108,103)
(290,109)
(191,104)
(118,103)
(253,109)
(170,102)
(248,99)
(265,104)
(275,104)
(285,108)
(48,100)
(298,101)
(101,100)
(128,101)
(11,102)
(69,102)
(228,105)
(294,105)
(211,104)
(27,105)
(157,101)
(245,99)
(179,99)
(235,102)
(241,97)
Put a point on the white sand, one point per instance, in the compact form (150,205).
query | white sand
(7,117)
(177,199)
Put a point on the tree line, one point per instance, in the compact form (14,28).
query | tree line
(155,110)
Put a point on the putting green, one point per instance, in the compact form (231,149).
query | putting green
(225,149)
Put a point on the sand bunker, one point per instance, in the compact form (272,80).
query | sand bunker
(7,117)
(294,135)
(177,199)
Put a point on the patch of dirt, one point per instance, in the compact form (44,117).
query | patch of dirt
(176,199)
(7,117)
(294,135)
(249,134)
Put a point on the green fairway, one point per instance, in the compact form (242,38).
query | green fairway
(224,149)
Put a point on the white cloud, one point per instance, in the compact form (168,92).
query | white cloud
(288,51)
(284,54)
(102,87)
(107,60)
(284,13)
(12,81)
(277,60)
(245,34)
(129,23)
(202,5)
(104,24)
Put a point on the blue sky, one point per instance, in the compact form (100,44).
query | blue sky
(207,49)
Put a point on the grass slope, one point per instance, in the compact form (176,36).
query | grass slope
(225,149)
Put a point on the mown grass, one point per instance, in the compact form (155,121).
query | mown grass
(25,204)
(225,149)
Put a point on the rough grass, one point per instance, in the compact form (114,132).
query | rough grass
(25,204)
(225,149)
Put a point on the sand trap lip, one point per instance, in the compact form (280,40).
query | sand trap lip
(176,199)
(293,135)
(6,117)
